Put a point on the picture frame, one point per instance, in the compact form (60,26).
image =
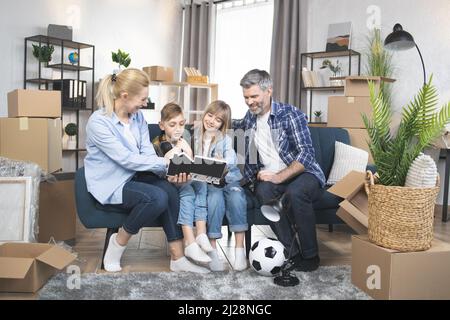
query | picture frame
(339,36)
(17,213)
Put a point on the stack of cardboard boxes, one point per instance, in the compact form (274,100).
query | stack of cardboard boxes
(384,273)
(346,112)
(32,130)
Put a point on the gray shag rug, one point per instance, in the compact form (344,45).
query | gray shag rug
(327,283)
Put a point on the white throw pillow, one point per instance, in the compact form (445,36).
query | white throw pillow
(346,159)
(422,173)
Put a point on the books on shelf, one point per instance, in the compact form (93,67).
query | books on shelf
(310,78)
(200,168)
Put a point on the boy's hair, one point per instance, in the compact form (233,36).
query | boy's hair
(170,110)
(222,108)
(129,80)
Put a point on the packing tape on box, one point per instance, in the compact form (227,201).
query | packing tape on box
(23,124)
(350,99)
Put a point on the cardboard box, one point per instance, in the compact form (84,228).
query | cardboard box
(57,213)
(26,267)
(387,274)
(34,103)
(158,73)
(345,112)
(357,86)
(197,79)
(32,139)
(354,209)
(358,139)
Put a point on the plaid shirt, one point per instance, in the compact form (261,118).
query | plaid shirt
(291,137)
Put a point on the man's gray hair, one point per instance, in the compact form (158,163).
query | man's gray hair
(257,77)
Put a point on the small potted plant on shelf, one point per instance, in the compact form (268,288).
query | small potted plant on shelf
(71,129)
(121,58)
(335,70)
(44,55)
(318,116)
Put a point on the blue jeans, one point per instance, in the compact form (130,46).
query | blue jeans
(230,201)
(149,200)
(192,203)
(300,193)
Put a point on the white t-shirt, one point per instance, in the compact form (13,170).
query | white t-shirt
(128,134)
(268,153)
(206,144)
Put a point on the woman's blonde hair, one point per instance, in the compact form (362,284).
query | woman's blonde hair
(129,80)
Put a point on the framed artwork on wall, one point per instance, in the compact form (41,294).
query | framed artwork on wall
(339,36)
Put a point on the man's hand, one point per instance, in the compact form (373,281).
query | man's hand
(269,176)
(179,178)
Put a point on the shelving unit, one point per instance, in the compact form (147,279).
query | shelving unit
(185,91)
(310,57)
(46,83)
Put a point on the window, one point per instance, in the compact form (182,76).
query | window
(243,42)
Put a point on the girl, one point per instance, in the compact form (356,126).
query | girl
(118,149)
(192,194)
(229,200)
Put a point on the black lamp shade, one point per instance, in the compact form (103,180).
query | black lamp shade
(399,39)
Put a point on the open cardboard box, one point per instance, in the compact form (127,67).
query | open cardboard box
(357,86)
(354,209)
(26,267)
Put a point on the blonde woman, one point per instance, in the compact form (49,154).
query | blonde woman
(118,153)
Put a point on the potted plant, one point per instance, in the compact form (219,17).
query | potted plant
(401,218)
(335,70)
(121,58)
(318,116)
(71,129)
(44,55)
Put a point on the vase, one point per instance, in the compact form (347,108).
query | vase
(317,119)
(71,144)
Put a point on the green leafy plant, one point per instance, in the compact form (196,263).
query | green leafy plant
(336,69)
(43,53)
(71,129)
(419,126)
(122,58)
(318,113)
(379,61)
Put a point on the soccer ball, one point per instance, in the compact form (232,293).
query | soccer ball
(267,256)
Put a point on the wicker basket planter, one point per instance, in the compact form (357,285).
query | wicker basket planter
(401,218)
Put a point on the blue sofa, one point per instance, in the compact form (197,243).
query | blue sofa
(94,215)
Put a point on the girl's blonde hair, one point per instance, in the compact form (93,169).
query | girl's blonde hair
(223,111)
(129,80)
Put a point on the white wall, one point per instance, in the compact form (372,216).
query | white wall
(428,21)
(149,30)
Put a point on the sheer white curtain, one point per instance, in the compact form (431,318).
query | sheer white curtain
(243,42)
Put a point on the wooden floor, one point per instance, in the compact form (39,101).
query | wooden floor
(147,251)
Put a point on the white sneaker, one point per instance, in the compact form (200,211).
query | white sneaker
(194,252)
(184,265)
(203,241)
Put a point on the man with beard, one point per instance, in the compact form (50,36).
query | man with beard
(280,160)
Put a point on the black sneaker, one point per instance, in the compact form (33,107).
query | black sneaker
(298,263)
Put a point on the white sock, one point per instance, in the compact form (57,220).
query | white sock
(240,260)
(203,242)
(216,263)
(184,265)
(194,252)
(111,261)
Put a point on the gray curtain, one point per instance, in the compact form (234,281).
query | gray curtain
(285,65)
(197,45)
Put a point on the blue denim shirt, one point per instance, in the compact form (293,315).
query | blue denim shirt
(223,149)
(290,132)
(111,160)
